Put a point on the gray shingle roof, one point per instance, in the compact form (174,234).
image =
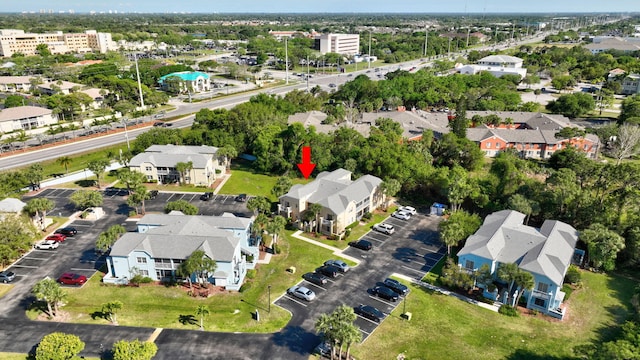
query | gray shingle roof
(182,149)
(335,190)
(177,236)
(170,155)
(12,205)
(504,238)
(15,79)
(500,59)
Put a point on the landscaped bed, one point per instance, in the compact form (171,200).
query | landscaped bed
(444,327)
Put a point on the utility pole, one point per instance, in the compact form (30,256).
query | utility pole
(286,62)
(307,73)
(426,39)
(369,49)
(135,58)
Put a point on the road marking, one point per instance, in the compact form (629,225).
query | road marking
(393,305)
(366,332)
(25,266)
(430,250)
(314,285)
(82,269)
(367,319)
(172,195)
(295,301)
(34,258)
(412,269)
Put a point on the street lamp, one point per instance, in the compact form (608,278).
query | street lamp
(269,308)
(126,133)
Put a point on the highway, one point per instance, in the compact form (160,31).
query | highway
(21,159)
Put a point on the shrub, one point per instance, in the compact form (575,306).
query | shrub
(347,233)
(573,275)
(508,310)
(485,300)
(367,216)
(246,286)
(251,273)
(567,289)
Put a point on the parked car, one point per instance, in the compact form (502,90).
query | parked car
(369,312)
(409,209)
(343,266)
(315,278)
(153,194)
(241,198)
(72,279)
(301,292)
(7,276)
(67,231)
(332,85)
(158,123)
(384,228)
(57,237)
(206,196)
(323,349)
(361,244)
(329,271)
(385,293)
(401,215)
(396,286)
(46,245)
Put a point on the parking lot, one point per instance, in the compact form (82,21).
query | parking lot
(412,250)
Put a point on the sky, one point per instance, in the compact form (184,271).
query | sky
(333,6)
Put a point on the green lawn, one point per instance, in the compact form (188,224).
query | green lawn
(159,306)
(244,180)
(4,289)
(444,327)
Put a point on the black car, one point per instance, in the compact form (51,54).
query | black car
(396,286)
(385,293)
(206,196)
(241,198)
(315,278)
(362,245)
(153,194)
(68,231)
(369,312)
(329,271)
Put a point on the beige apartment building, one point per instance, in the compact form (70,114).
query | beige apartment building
(345,44)
(14,41)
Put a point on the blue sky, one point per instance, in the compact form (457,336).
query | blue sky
(280,6)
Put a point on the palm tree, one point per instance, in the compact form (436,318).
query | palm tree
(275,227)
(64,161)
(509,273)
(49,291)
(315,210)
(184,168)
(98,167)
(202,311)
(390,188)
(525,281)
(325,325)
(451,233)
(111,310)
(352,335)
(39,207)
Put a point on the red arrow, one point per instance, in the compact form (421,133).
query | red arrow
(306,167)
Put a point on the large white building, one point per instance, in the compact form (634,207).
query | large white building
(497,65)
(25,118)
(345,44)
(14,41)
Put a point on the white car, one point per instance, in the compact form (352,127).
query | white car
(47,245)
(402,215)
(301,292)
(408,209)
(384,228)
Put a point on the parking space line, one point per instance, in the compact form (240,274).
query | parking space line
(34,258)
(316,286)
(366,332)
(383,301)
(374,239)
(295,301)
(412,269)
(172,195)
(24,266)
(82,269)
(371,321)
(430,250)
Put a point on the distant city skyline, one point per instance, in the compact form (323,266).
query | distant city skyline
(325,6)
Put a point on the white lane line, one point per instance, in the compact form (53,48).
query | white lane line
(408,268)
(25,266)
(382,301)
(295,301)
(82,269)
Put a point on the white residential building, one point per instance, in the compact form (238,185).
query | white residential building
(345,44)
(14,41)
(497,65)
(25,118)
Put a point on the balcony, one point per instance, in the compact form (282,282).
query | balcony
(541,295)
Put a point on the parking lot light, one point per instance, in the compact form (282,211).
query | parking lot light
(269,290)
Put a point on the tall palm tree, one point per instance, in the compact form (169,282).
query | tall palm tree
(40,207)
(525,281)
(508,272)
(202,311)
(275,227)
(49,291)
(64,161)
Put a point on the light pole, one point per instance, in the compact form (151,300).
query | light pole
(369,60)
(269,289)
(126,133)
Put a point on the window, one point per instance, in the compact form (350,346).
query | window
(144,272)
(498,145)
(543,287)
(148,168)
(141,260)
(149,177)
(488,145)
(468,264)
(329,217)
(539,302)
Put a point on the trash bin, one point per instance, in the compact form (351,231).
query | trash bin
(292,269)
(406,316)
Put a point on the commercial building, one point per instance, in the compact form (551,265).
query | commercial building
(187,81)
(17,41)
(497,65)
(345,44)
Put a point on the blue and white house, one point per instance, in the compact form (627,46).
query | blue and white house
(163,241)
(546,253)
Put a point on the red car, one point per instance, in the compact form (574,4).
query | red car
(57,237)
(72,279)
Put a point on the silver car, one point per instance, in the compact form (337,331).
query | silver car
(301,292)
(343,266)
(402,215)
(384,228)
(7,276)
